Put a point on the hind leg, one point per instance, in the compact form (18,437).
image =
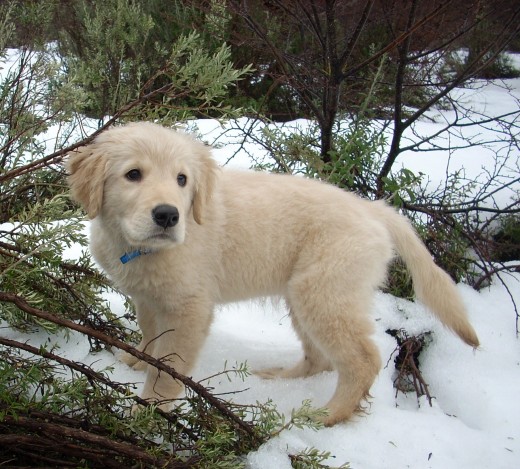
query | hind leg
(343,335)
(332,308)
(358,362)
(313,360)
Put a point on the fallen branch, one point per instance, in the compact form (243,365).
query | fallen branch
(197,388)
(407,363)
(95,376)
(50,438)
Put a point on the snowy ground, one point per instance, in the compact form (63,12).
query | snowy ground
(475,418)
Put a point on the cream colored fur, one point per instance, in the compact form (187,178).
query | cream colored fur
(242,235)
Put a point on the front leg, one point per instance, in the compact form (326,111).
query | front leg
(146,319)
(181,330)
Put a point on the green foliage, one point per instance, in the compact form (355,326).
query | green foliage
(33,265)
(34,20)
(312,458)
(38,221)
(502,67)
(289,150)
(44,394)
(202,76)
(108,60)
(356,156)
(271,422)
(402,185)
(37,390)
(6,25)
(359,150)
(399,281)
(445,239)
(484,52)
(34,95)
(123,52)
(506,240)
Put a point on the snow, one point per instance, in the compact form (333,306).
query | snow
(474,421)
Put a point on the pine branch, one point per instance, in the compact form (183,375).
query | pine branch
(95,376)
(57,156)
(197,388)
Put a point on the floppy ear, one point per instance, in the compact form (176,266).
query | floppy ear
(205,185)
(86,167)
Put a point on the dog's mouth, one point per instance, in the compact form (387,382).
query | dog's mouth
(162,237)
(154,240)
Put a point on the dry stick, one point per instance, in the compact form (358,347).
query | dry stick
(56,430)
(420,385)
(94,375)
(200,390)
(31,446)
(28,445)
(411,346)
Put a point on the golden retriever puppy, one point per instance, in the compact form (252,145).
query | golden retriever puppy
(179,235)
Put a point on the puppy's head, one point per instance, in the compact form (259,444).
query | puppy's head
(143,181)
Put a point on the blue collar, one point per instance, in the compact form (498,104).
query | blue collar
(128,256)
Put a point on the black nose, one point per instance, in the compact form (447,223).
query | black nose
(165,215)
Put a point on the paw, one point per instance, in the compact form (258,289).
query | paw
(132,361)
(136,409)
(270,373)
(302,369)
(329,420)
(165,406)
(140,366)
(128,359)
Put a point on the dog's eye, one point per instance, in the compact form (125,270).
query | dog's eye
(134,175)
(181,180)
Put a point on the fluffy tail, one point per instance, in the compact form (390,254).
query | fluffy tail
(432,285)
